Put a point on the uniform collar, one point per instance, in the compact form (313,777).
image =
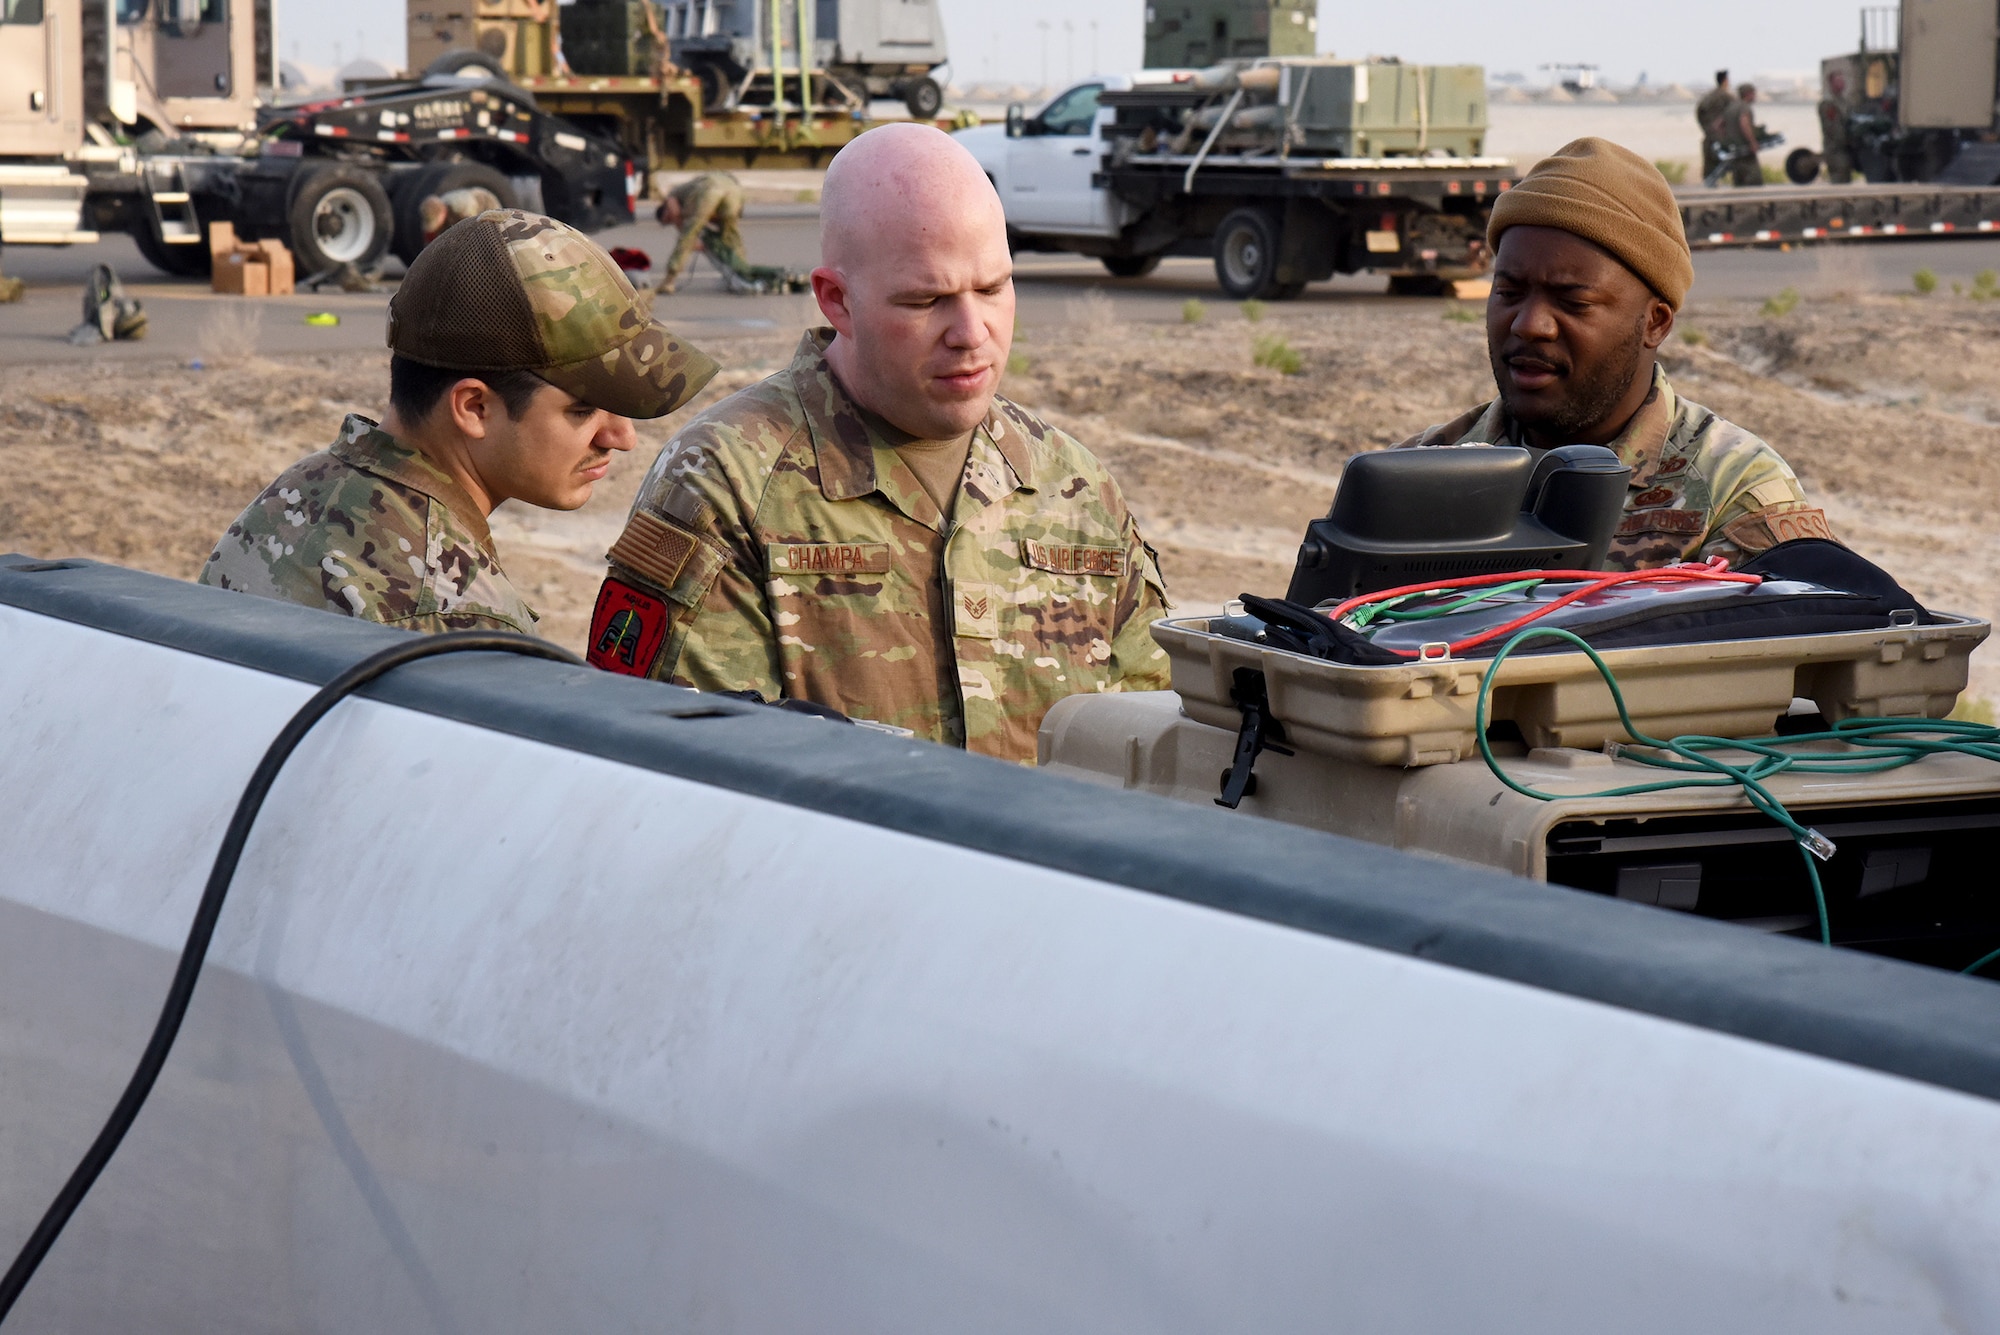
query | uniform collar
(855,449)
(1638,445)
(363,444)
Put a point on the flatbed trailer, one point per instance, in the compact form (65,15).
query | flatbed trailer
(1418,218)
(666,123)
(1129,171)
(1724,218)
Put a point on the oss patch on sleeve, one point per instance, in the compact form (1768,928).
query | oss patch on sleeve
(626,630)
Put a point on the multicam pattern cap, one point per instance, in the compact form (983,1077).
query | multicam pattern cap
(515,291)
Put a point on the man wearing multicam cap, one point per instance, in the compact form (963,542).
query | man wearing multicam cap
(1590,265)
(520,356)
(872,529)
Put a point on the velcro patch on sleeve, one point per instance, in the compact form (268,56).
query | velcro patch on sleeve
(829,558)
(1776,491)
(1767,528)
(1664,521)
(976,611)
(653,549)
(626,629)
(1073,560)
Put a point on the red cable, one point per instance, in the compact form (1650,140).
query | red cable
(1714,570)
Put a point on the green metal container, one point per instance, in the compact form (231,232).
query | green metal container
(608,37)
(1193,34)
(1381,109)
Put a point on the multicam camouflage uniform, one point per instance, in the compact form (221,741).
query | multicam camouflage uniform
(1701,486)
(373,530)
(780,544)
(711,208)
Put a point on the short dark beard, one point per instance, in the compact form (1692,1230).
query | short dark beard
(1590,399)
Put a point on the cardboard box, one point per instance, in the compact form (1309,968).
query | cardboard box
(241,273)
(242,269)
(279,260)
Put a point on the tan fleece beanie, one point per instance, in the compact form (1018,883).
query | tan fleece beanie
(1604,193)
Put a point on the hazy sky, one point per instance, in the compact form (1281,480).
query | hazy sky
(994,42)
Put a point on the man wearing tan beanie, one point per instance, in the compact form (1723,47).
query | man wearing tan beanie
(1590,265)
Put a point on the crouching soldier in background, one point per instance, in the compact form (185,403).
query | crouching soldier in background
(707,210)
(520,355)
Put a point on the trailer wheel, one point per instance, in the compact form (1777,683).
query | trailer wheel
(1246,254)
(441,178)
(339,215)
(180,261)
(1130,266)
(923,97)
(1802,166)
(468,64)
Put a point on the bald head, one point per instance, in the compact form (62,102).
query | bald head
(915,279)
(902,186)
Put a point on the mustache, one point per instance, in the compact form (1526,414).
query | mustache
(1533,359)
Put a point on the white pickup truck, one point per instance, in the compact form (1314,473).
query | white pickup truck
(1111,168)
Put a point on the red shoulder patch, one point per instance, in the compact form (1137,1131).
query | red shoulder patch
(626,630)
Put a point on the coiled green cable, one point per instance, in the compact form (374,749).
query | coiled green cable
(1874,745)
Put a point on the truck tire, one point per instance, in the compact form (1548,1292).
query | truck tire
(923,97)
(180,261)
(1246,254)
(438,179)
(467,63)
(1802,166)
(339,215)
(1130,266)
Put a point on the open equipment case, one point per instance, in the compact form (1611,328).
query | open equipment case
(1390,751)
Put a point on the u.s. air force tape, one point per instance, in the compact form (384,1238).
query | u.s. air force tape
(1073,560)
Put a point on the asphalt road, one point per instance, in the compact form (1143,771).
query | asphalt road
(184,317)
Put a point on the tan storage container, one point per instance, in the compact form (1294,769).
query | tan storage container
(1421,713)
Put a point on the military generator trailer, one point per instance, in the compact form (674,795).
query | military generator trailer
(1283,171)
(740,54)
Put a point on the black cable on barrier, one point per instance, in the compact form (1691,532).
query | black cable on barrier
(181,992)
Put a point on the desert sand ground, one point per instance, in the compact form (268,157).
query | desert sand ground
(1888,407)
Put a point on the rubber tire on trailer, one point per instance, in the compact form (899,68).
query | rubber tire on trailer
(1802,166)
(924,98)
(462,63)
(716,86)
(1130,266)
(437,179)
(180,261)
(350,198)
(1246,254)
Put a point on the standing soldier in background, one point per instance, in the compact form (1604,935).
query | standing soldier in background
(707,210)
(1709,114)
(1741,135)
(1834,149)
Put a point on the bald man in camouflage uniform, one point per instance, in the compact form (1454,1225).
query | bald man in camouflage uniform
(1595,264)
(527,326)
(942,561)
(708,209)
